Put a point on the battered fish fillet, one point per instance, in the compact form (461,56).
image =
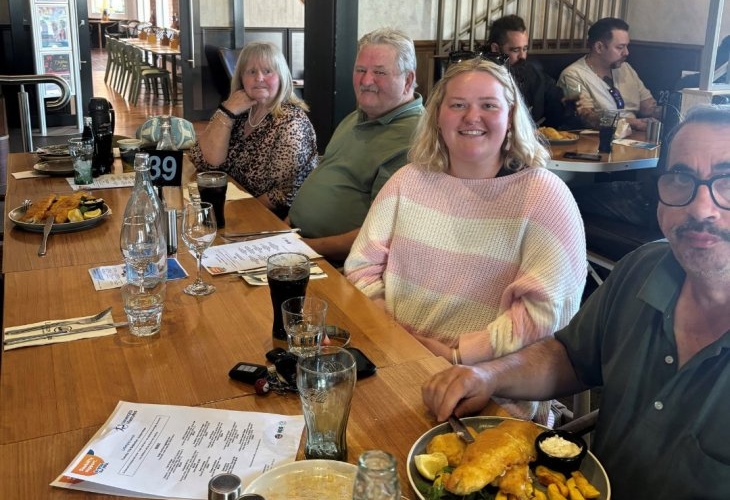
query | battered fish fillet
(450,445)
(63,204)
(37,211)
(510,443)
(517,482)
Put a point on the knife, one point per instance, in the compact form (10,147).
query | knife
(460,429)
(46,231)
(63,333)
(260,233)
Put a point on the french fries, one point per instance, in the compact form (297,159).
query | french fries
(556,135)
(577,487)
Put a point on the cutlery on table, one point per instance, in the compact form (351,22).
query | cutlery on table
(460,429)
(46,231)
(256,234)
(56,324)
(63,333)
(262,269)
(261,276)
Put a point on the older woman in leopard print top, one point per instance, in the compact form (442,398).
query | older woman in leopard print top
(261,135)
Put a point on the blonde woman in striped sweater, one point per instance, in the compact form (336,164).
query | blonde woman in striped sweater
(474,247)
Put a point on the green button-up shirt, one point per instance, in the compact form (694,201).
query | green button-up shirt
(663,431)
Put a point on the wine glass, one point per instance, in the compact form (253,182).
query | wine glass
(198,232)
(140,245)
(571,95)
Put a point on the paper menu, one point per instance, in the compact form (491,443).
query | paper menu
(252,254)
(161,451)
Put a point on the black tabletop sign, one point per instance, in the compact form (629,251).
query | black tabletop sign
(166,167)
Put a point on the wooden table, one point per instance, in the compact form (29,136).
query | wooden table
(53,398)
(159,52)
(101,28)
(620,158)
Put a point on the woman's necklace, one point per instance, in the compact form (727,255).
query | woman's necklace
(259,122)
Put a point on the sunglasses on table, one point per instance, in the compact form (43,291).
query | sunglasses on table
(617,97)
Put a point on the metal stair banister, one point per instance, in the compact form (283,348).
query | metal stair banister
(22,80)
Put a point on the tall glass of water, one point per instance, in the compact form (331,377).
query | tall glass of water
(198,232)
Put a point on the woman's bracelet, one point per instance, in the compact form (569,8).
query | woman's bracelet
(220,118)
(227,112)
(455,356)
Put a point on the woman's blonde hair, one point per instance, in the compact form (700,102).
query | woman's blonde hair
(268,54)
(522,147)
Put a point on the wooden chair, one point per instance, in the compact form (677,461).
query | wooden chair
(154,79)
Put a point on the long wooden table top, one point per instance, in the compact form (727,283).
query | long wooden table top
(53,398)
(620,158)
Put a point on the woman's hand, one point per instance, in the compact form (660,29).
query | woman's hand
(239,102)
(436,347)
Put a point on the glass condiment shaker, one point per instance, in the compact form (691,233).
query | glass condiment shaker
(377,477)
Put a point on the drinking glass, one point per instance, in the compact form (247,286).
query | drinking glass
(304,322)
(198,232)
(212,187)
(377,477)
(288,276)
(82,153)
(325,381)
(140,244)
(606,130)
(571,95)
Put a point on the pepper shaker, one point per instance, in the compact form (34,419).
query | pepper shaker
(224,487)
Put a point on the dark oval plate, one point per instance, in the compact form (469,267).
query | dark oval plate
(591,467)
(55,167)
(16,215)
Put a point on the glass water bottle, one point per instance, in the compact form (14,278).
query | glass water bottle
(377,477)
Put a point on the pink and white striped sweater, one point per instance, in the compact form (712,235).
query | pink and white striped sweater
(490,265)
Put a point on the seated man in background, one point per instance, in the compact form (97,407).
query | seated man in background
(508,35)
(367,147)
(606,80)
(655,336)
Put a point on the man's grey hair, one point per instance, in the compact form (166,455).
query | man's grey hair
(406,51)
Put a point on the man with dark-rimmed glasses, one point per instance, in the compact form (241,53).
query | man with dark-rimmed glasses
(655,336)
(606,80)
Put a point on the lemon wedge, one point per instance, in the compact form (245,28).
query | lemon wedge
(92,213)
(430,464)
(74,215)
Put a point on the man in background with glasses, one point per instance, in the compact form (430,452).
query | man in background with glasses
(655,336)
(606,80)
(508,36)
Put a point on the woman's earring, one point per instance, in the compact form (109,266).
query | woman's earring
(508,141)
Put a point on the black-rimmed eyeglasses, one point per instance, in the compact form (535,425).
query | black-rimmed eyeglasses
(678,189)
(457,56)
(617,97)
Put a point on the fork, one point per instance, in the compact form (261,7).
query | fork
(56,324)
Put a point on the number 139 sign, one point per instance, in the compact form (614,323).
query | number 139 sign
(166,167)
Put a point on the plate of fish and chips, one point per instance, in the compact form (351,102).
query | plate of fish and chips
(72,212)
(496,456)
(557,137)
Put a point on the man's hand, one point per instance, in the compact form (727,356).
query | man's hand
(461,390)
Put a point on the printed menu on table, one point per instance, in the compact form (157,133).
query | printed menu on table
(161,451)
(245,255)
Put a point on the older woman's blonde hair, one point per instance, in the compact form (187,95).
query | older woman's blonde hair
(521,148)
(269,55)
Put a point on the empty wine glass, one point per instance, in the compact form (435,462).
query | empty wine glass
(140,244)
(198,232)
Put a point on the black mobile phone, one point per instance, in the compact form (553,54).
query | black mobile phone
(248,372)
(286,366)
(275,354)
(365,367)
(574,155)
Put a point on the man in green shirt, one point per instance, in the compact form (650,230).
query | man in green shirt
(655,336)
(366,148)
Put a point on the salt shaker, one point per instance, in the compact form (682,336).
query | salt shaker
(377,477)
(224,487)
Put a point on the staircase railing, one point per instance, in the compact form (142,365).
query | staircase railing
(22,80)
(553,25)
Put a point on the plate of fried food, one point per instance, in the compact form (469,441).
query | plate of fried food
(499,465)
(71,212)
(557,137)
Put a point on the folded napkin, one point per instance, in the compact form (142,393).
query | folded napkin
(28,174)
(259,278)
(46,332)
(232,193)
(623,129)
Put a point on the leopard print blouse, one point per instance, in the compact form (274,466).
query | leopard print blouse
(274,159)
